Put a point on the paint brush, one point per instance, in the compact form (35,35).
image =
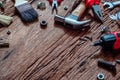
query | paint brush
(25,10)
(5,20)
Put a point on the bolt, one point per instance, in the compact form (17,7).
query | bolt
(104,29)
(118,61)
(1,4)
(107,65)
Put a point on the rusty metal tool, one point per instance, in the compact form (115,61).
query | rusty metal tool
(94,4)
(72,19)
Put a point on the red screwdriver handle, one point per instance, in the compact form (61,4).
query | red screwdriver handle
(90,3)
(117,42)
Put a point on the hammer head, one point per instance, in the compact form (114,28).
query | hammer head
(71,20)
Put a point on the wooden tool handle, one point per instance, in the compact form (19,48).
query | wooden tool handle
(5,20)
(79,10)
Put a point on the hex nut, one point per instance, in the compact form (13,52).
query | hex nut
(43,23)
(41,5)
(100,76)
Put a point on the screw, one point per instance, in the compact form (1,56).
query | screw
(89,37)
(8,32)
(107,65)
(65,7)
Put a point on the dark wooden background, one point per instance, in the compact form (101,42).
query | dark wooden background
(56,52)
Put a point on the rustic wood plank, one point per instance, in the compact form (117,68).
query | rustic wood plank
(56,52)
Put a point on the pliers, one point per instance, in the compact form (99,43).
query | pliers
(54,5)
(96,9)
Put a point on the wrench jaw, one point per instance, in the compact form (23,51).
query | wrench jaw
(109,5)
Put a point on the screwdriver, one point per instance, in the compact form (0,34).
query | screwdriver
(109,41)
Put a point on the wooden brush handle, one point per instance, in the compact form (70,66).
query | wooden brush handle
(5,20)
(79,10)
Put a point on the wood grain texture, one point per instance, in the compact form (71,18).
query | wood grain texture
(56,52)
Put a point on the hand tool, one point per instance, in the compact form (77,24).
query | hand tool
(96,9)
(55,4)
(109,41)
(116,17)
(72,19)
(26,11)
(41,5)
(111,5)
(107,65)
(118,61)
(100,76)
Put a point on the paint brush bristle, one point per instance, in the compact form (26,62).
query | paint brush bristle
(26,11)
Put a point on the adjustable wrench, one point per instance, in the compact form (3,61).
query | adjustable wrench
(111,5)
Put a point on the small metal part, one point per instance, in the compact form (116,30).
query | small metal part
(105,29)
(118,61)
(83,39)
(107,65)
(88,37)
(3,43)
(116,17)
(100,76)
(113,17)
(43,23)
(8,32)
(41,5)
(1,4)
(65,7)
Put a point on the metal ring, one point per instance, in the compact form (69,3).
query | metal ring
(100,76)
(43,23)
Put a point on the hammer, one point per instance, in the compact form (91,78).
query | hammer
(72,19)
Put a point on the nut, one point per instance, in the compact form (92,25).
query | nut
(43,23)
(41,5)
(100,76)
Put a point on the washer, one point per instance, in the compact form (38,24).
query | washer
(43,23)
(100,76)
